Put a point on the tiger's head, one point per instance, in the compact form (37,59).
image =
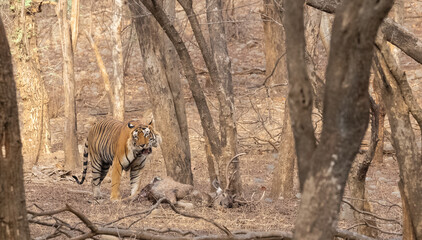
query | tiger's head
(144,137)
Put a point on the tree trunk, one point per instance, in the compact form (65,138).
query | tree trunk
(74,23)
(345,115)
(34,98)
(379,151)
(189,71)
(151,42)
(228,131)
(408,229)
(70,141)
(282,182)
(103,71)
(398,102)
(14,223)
(173,79)
(275,62)
(117,57)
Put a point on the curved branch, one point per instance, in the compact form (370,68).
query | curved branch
(393,32)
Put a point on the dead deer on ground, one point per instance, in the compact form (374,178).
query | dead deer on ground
(179,193)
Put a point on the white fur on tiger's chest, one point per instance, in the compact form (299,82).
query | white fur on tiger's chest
(129,156)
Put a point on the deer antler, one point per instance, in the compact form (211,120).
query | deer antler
(229,179)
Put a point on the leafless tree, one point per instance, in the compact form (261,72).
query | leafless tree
(13,219)
(219,53)
(164,86)
(346,108)
(223,95)
(70,142)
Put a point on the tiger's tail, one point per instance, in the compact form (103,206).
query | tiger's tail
(85,164)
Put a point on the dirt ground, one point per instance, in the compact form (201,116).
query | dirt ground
(49,187)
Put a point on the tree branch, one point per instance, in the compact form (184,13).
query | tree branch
(393,32)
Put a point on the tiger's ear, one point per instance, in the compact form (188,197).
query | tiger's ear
(151,123)
(130,125)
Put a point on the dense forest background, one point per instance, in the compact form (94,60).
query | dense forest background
(266,181)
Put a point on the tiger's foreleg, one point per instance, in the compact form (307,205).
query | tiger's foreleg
(116,176)
(135,174)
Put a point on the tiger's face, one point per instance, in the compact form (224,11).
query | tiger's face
(144,137)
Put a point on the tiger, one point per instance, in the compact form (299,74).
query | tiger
(124,147)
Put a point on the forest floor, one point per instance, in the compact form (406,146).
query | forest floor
(49,187)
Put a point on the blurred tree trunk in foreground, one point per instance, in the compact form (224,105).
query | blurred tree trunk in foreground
(117,57)
(70,140)
(162,77)
(346,108)
(14,223)
(34,98)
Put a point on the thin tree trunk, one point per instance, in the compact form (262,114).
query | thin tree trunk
(70,141)
(14,223)
(226,107)
(173,79)
(379,151)
(103,71)
(117,57)
(345,115)
(228,131)
(74,23)
(151,42)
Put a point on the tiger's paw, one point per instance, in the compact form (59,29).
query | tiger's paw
(115,198)
(98,195)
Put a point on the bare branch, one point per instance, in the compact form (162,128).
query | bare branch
(393,32)
(371,214)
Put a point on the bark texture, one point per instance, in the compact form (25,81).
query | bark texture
(34,98)
(70,142)
(346,109)
(13,219)
(151,42)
